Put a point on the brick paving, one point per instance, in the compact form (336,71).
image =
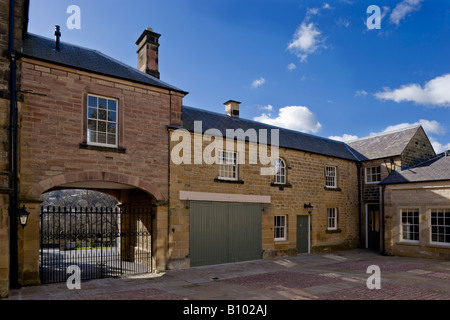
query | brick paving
(332,276)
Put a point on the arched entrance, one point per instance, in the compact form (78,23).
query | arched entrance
(102,241)
(90,232)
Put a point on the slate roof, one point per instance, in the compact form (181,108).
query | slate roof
(383,145)
(70,55)
(434,169)
(287,138)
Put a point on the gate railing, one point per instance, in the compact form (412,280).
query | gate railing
(102,242)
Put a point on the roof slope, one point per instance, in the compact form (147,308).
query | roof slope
(41,48)
(434,169)
(287,138)
(383,145)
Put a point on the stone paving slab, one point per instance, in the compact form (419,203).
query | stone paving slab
(331,276)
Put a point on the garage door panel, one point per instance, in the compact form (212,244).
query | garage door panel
(209,234)
(222,232)
(245,232)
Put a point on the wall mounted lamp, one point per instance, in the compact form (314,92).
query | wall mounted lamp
(309,207)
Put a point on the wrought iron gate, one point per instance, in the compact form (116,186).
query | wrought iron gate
(102,242)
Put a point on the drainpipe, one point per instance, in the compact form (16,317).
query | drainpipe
(14,281)
(358,166)
(383,251)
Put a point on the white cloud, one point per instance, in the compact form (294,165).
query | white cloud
(435,92)
(268,107)
(292,66)
(306,40)
(403,9)
(439,147)
(312,11)
(258,82)
(344,138)
(343,22)
(326,6)
(297,118)
(361,93)
(429,126)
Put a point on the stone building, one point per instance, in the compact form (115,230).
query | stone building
(85,120)
(417,209)
(13,22)
(379,156)
(267,212)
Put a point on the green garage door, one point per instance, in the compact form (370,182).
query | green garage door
(222,232)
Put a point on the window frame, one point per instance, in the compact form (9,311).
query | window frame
(334,219)
(280,227)
(221,164)
(445,211)
(409,211)
(366,174)
(281,176)
(327,176)
(87,119)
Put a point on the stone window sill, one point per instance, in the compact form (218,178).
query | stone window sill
(281,186)
(99,148)
(333,231)
(229,181)
(332,189)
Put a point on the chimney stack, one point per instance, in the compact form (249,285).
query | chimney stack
(232,108)
(147,51)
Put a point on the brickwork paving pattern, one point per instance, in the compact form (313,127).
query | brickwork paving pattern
(332,276)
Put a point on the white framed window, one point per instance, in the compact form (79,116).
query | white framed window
(332,218)
(330,176)
(410,224)
(373,174)
(280,172)
(440,226)
(279,229)
(102,121)
(228,165)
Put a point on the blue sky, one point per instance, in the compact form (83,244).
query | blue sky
(312,66)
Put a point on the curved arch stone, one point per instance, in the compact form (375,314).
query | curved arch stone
(91,176)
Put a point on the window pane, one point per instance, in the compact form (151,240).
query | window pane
(111,127)
(92,113)
(92,125)
(111,116)
(101,137)
(101,114)
(92,101)
(101,126)
(92,136)
(111,139)
(112,105)
(102,103)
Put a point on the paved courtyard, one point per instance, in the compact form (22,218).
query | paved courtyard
(329,276)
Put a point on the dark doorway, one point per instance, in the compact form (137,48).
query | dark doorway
(373,226)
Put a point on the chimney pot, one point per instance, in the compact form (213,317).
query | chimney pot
(147,51)
(232,108)
(57,37)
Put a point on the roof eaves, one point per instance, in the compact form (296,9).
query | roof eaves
(158,83)
(355,159)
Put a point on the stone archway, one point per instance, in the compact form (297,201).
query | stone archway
(109,180)
(131,192)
